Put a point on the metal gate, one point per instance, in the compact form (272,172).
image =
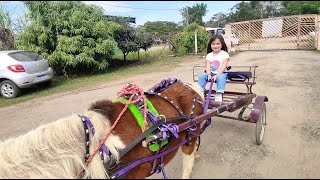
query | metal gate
(289,32)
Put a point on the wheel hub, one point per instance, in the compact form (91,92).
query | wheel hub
(7,90)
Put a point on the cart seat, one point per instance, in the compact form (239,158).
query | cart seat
(239,75)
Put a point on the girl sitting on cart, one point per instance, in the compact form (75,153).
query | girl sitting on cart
(217,62)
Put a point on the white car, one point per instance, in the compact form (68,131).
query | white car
(22,69)
(234,39)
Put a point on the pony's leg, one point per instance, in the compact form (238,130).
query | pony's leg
(188,161)
(196,157)
(196,153)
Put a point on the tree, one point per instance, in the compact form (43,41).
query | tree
(5,19)
(6,39)
(217,20)
(184,42)
(74,37)
(161,29)
(300,7)
(270,8)
(241,12)
(143,38)
(264,9)
(194,14)
(126,39)
(6,34)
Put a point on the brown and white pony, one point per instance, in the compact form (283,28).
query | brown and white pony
(57,150)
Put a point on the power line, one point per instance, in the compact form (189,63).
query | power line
(134,7)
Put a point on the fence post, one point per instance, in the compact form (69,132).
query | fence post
(299,34)
(317,33)
(228,36)
(249,35)
(195,42)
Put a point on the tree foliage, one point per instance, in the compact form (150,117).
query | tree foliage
(250,10)
(217,20)
(161,29)
(6,39)
(130,39)
(143,38)
(126,39)
(241,12)
(300,7)
(74,37)
(194,14)
(184,42)
(6,34)
(5,19)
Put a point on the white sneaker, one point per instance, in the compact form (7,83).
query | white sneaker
(218,97)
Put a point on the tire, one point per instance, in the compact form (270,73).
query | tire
(9,89)
(260,125)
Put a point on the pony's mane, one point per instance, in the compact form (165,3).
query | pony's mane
(57,150)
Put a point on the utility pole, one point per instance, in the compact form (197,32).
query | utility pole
(187,16)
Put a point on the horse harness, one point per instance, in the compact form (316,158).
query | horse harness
(156,124)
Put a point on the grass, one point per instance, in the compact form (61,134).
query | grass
(150,61)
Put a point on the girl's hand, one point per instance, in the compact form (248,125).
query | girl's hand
(214,77)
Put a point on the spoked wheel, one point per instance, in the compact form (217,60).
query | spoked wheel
(261,124)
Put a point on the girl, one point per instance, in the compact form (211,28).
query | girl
(217,61)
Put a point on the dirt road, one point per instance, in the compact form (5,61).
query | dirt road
(291,148)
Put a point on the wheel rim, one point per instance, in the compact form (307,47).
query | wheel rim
(7,90)
(263,116)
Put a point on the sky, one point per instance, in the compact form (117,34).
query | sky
(143,11)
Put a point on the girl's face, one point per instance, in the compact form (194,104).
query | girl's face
(216,45)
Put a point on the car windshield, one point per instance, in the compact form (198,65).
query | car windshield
(25,56)
(220,31)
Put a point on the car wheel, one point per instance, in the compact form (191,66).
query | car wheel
(9,89)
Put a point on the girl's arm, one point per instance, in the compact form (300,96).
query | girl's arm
(208,68)
(224,66)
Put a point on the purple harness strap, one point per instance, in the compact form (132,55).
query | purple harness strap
(208,121)
(152,116)
(164,84)
(88,122)
(138,162)
(173,128)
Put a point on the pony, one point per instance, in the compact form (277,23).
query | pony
(60,149)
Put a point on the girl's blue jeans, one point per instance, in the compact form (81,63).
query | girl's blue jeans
(221,81)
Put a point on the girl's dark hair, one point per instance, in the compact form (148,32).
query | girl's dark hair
(214,37)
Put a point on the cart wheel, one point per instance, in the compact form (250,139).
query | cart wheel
(260,125)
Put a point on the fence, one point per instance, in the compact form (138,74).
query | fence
(288,32)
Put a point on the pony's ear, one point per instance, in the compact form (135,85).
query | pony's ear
(196,88)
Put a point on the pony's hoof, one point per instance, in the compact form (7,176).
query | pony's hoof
(196,157)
